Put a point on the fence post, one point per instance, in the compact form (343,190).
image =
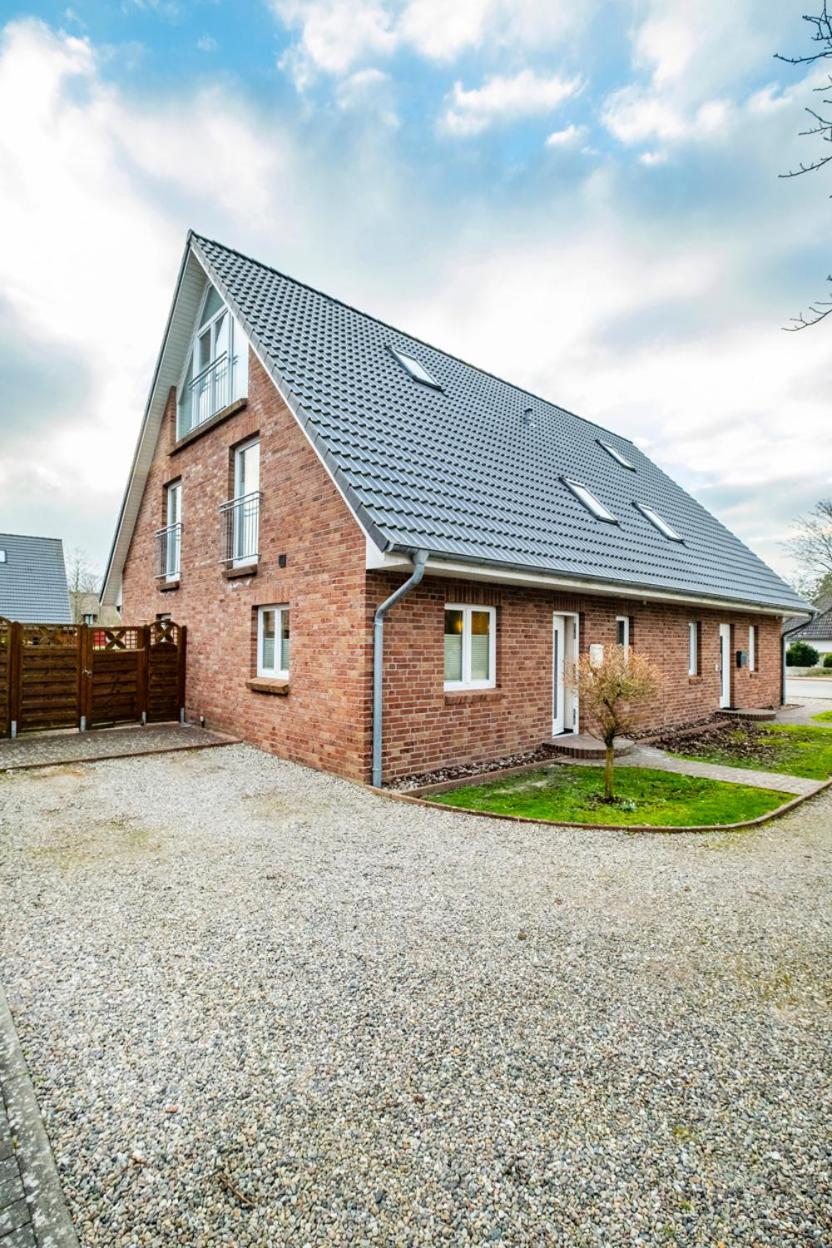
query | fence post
(180,671)
(84,677)
(15,676)
(143,683)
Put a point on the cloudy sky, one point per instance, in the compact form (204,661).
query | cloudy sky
(580,197)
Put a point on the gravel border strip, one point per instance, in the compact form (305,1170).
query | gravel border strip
(51,1223)
(105,758)
(663,828)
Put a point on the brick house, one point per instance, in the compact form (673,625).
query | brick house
(300,462)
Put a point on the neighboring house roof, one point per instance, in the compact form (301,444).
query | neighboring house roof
(817,629)
(471,472)
(33,580)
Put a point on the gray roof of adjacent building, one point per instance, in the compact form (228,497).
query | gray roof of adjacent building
(33,585)
(819,628)
(472,469)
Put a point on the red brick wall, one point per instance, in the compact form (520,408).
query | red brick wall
(426,728)
(323,720)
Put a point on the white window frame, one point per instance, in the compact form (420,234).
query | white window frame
(467,608)
(173,517)
(416,369)
(618,456)
(238,520)
(659,522)
(237,386)
(625,620)
(588,500)
(752,648)
(693,647)
(277,672)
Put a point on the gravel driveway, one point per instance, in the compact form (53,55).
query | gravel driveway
(264,1007)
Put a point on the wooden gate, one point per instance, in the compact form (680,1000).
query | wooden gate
(80,676)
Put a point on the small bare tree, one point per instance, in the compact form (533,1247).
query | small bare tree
(610,690)
(820,127)
(812,548)
(82,578)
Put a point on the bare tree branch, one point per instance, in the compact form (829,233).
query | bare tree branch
(812,544)
(818,311)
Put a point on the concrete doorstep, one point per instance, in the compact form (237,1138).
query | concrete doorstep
(33,1213)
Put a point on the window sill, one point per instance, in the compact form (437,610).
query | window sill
(268,684)
(694,680)
(207,425)
(233,574)
(462,697)
(167,587)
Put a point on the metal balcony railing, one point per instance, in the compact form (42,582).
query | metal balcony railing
(240,529)
(210,390)
(168,550)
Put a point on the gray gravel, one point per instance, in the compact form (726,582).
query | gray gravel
(264,1007)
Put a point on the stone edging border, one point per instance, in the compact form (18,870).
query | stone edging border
(51,1223)
(588,827)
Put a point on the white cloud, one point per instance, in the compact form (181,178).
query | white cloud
(503,98)
(207,43)
(633,115)
(653,158)
(371,91)
(567,137)
(335,36)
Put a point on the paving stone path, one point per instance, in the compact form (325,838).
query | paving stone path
(42,749)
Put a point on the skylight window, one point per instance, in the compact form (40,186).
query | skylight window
(616,454)
(417,371)
(598,510)
(657,521)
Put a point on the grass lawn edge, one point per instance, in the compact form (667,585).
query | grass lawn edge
(413,796)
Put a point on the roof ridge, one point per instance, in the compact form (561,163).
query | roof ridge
(36,537)
(405,334)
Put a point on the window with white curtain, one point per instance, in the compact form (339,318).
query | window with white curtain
(273,641)
(470,647)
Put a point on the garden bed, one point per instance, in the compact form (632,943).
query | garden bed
(791,749)
(644,798)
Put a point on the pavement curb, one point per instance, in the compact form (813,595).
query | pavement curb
(50,1220)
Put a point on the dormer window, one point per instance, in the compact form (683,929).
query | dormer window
(217,369)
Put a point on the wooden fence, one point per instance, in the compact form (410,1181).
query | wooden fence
(85,676)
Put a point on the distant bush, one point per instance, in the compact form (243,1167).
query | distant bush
(827,661)
(801,654)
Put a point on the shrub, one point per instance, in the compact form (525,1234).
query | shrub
(827,659)
(801,654)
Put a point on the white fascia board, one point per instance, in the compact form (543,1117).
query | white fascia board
(493,574)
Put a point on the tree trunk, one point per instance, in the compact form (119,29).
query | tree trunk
(609,763)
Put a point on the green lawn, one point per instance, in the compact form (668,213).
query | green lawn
(823,717)
(643,796)
(793,749)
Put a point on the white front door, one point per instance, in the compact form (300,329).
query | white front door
(564,650)
(725,665)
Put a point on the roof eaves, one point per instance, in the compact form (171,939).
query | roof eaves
(628,588)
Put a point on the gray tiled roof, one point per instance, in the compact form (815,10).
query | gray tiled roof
(817,629)
(33,580)
(467,472)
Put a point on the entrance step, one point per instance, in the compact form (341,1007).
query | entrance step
(582,745)
(760,715)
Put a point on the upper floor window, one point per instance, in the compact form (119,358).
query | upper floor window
(169,537)
(241,514)
(217,369)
